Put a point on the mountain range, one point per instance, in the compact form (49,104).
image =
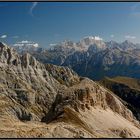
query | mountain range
(94,58)
(45,100)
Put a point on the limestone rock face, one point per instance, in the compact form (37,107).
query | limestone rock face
(38,100)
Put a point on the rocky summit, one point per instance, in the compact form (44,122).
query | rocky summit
(49,101)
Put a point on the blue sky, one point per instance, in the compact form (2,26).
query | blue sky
(52,22)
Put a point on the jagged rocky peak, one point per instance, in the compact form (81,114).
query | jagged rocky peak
(68,43)
(2,44)
(66,46)
(27,60)
(128,45)
(28,83)
(64,75)
(127,42)
(8,55)
(112,44)
(82,45)
(3,47)
(91,40)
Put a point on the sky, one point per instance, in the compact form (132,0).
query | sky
(52,22)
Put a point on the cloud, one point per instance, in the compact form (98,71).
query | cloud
(112,36)
(53,44)
(26,43)
(97,38)
(130,37)
(36,45)
(3,36)
(34,4)
(18,45)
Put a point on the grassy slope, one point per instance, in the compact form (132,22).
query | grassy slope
(130,82)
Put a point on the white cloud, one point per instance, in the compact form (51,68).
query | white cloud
(18,45)
(52,44)
(97,38)
(34,4)
(112,36)
(130,37)
(26,43)
(3,36)
(36,45)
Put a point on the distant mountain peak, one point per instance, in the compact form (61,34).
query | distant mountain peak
(127,42)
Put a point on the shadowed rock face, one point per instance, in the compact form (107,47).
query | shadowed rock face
(43,97)
(127,89)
